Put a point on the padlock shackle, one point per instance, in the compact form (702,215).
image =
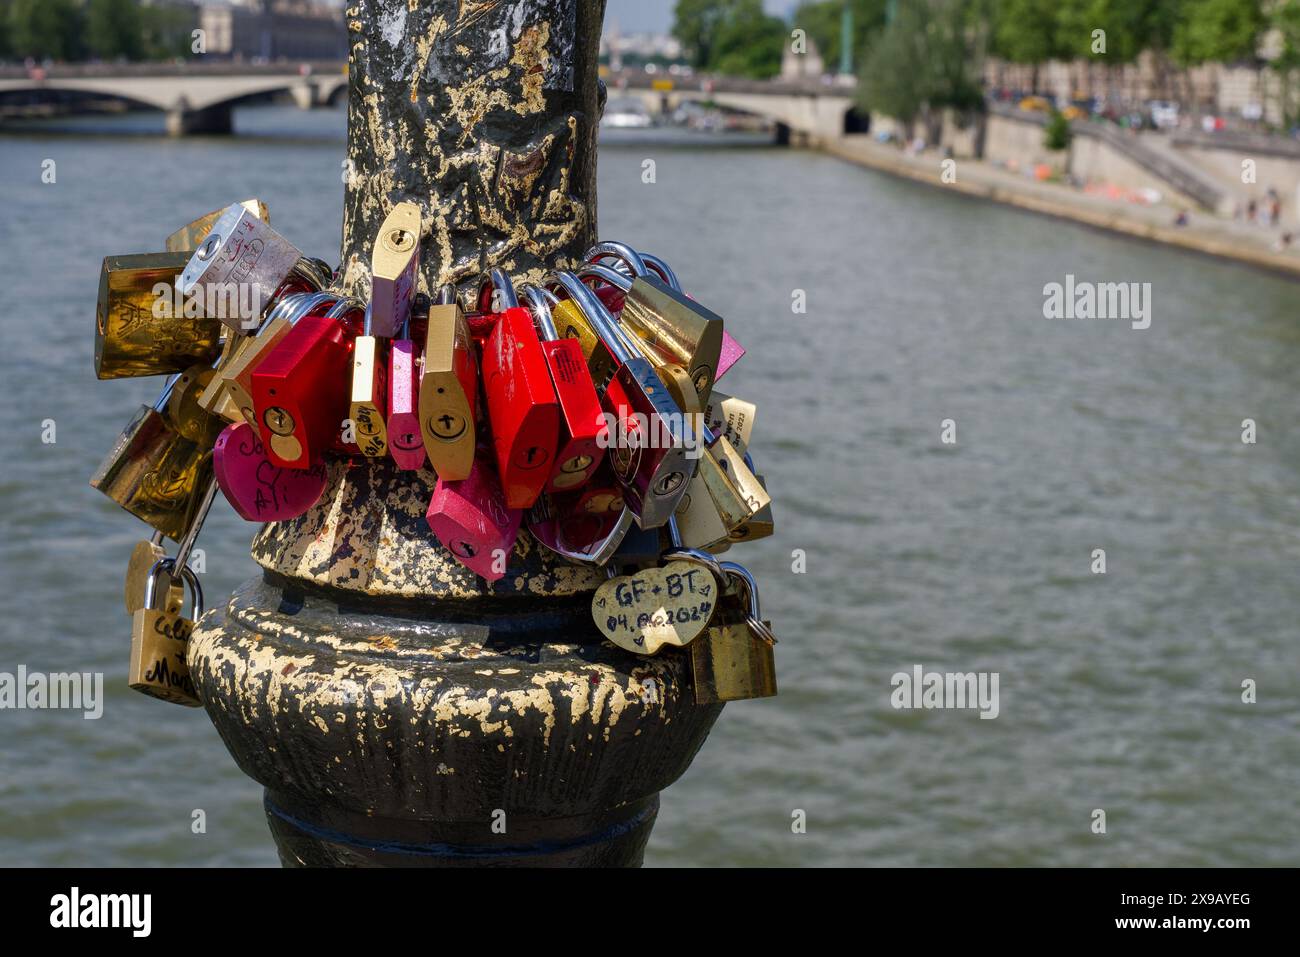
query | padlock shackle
(615,250)
(665,271)
(754,618)
(196,524)
(446,294)
(191,581)
(541,309)
(498,280)
(165,395)
(611,276)
(604,324)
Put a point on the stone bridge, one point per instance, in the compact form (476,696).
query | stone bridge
(198,97)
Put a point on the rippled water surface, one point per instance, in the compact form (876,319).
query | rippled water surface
(1119,692)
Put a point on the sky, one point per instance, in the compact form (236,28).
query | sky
(656,16)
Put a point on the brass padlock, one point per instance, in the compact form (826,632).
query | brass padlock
(673,374)
(138,329)
(154,473)
(184,411)
(733,659)
(448,400)
(759,525)
(667,318)
(736,493)
(731,418)
(159,639)
(187,238)
(142,560)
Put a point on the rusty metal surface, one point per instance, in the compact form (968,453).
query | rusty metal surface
(390,714)
(484,113)
(368,534)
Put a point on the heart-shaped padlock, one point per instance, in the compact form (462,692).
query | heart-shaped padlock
(257,488)
(669,605)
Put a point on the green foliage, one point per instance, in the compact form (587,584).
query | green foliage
(1223,31)
(113,29)
(45,29)
(1056,135)
(821,20)
(732,37)
(1025,31)
(927,58)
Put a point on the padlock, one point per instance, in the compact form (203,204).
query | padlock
(733,659)
(669,605)
(654,448)
(448,402)
(668,319)
(186,415)
(236,377)
(187,238)
(732,351)
(572,323)
(731,418)
(368,408)
(137,329)
(258,489)
(471,519)
(697,517)
(393,266)
(671,372)
(297,389)
(586,525)
(405,441)
(159,639)
(523,411)
(153,472)
(736,493)
(758,525)
(238,268)
(583,431)
(143,557)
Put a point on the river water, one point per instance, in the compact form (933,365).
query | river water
(1120,692)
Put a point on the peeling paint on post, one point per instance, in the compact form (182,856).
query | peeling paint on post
(393,704)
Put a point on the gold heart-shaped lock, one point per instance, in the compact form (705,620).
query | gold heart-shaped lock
(658,606)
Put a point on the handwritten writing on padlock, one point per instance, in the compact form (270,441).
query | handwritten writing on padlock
(659,606)
(257,488)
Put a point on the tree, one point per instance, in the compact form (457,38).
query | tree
(113,29)
(928,58)
(731,36)
(749,42)
(45,29)
(1025,31)
(822,21)
(696,24)
(1285,19)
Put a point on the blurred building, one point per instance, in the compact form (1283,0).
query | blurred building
(802,66)
(273,30)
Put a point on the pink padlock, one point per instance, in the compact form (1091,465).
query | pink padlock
(470,518)
(732,351)
(257,488)
(405,441)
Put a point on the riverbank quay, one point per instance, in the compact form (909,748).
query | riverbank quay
(1203,232)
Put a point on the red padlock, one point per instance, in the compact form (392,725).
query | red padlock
(583,432)
(655,451)
(299,393)
(471,519)
(523,411)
